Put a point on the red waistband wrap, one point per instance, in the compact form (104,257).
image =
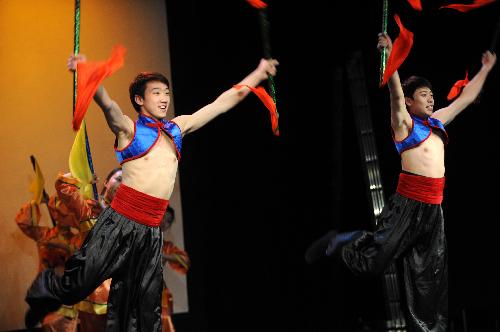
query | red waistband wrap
(421,188)
(139,207)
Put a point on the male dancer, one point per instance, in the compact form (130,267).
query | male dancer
(125,243)
(411,226)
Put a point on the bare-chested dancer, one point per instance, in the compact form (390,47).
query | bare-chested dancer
(125,244)
(411,225)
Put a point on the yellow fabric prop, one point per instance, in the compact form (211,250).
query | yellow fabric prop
(37,184)
(79,164)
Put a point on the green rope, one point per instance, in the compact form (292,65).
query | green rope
(76,50)
(264,29)
(383,55)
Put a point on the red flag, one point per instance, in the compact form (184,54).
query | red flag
(400,50)
(416,4)
(465,8)
(456,89)
(259,4)
(266,99)
(90,76)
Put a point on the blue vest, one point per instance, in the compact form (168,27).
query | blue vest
(147,131)
(421,130)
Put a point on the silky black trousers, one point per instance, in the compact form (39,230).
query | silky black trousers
(410,232)
(117,248)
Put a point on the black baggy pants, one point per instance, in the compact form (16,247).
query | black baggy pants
(413,232)
(117,248)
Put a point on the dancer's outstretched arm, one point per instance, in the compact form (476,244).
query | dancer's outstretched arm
(227,100)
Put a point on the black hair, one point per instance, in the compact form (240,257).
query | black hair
(412,83)
(110,175)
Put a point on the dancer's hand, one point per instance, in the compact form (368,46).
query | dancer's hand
(73,61)
(384,41)
(267,67)
(489,59)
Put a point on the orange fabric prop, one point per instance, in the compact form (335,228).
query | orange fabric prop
(456,89)
(259,4)
(465,8)
(90,75)
(266,99)
(400,50)
(416,4)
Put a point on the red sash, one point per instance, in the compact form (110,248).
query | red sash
(139,207)
(421,188)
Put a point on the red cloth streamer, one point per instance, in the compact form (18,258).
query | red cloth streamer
(421,188)
(90,76)
(259,4)
(416,4)
(465,8)
(400,50)
(457,87)
(266,99)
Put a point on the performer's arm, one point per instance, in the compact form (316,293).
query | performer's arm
(177,259)
(470,91)
(119,123)
(27,219)
(227,100)
(69,194)
(400,118)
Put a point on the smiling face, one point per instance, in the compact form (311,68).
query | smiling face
(419,98)
(150,94)
(155,101)
(421,104)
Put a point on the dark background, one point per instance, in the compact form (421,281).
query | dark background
(253,202)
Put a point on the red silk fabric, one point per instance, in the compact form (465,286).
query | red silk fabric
(468,7)
(266,99)
(421,188)
(259,4)
(456,89)
(400,50)
(138,206)
(90,76)
(416,4)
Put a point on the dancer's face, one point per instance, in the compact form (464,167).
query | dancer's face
(422,103)
(156,100)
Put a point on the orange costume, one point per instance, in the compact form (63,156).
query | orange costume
(179,262)
(74,217)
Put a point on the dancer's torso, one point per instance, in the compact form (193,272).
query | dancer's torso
(421,146)
(425,159)
(155,172)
